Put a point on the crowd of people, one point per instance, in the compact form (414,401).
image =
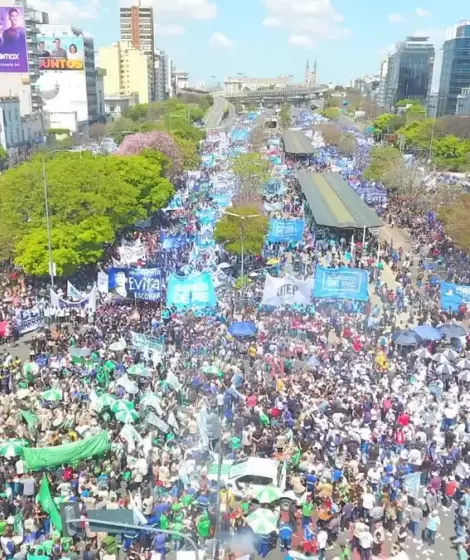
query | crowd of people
(368,432)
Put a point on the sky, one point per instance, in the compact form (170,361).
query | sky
(213,39)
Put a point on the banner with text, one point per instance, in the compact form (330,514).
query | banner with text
(287,291)
(136,283)
(285,230)
(88,302)
(195,291)
(29,320)
(341,283)
(146,343)
(453,295)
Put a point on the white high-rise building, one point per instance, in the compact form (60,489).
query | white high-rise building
(67,82)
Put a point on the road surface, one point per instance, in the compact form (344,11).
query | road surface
(215,113)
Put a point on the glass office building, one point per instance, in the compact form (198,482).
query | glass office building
(455,72)
(410,70)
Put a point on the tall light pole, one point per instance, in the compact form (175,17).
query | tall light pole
(242,222)
(46,205)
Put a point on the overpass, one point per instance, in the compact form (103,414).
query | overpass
(278,94)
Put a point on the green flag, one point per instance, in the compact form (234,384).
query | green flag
(44,498)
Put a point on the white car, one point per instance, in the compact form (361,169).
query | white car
(252,475)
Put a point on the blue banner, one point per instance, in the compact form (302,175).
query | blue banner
(452,295)
(222,200)
(341,283)
(170,242)
(205,240)
(285,230)
(136,283)
(195,291)
(206,216)
(176,203)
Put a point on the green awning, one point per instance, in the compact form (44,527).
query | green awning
(333,203)
(296,143)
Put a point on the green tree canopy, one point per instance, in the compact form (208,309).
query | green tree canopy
(332,113)
(285,115)
(382,122)
(90,198)
(451,153)
(253,171)
(455,220)
(3,158)
(381,162)
(231,230)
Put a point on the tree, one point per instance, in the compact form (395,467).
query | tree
(332,113)
(258,137)
(231,231)
(188,148)
(285,116)
(97,132)
(252,171)
(90,198)
(3,158)
(404,179)
(455,220)
(371,108)
(450,153)
(382,160)
(454,125)
(333,101)
(382,122)
(348,144)
(331,133)
(418,134)
(157,140)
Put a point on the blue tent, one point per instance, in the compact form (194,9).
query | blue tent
(242,328)
(427,332)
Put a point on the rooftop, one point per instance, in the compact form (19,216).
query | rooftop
(295,142)
(334,203)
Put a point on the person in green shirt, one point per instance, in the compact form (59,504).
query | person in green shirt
(345,553)
(164,523)
(307,512)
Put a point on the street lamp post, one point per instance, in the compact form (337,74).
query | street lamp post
(46,205)
(242,221)
(48,220)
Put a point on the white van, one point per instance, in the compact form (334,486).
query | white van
(253,474)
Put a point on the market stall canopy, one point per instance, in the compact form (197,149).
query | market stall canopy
(296,143)
(333,203)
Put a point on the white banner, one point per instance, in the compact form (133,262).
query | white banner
(287,291)
(102,282)
(87,302)
(131,252)
(29,320)
(72,292)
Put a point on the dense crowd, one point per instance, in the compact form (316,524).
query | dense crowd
(365,424)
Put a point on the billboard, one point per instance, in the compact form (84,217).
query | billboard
(66,53)
(13,50)
(62,81)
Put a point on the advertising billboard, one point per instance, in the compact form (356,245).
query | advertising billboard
(62,79)
(13,50)
(65,53)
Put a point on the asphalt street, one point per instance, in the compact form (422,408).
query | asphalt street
(215,113)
